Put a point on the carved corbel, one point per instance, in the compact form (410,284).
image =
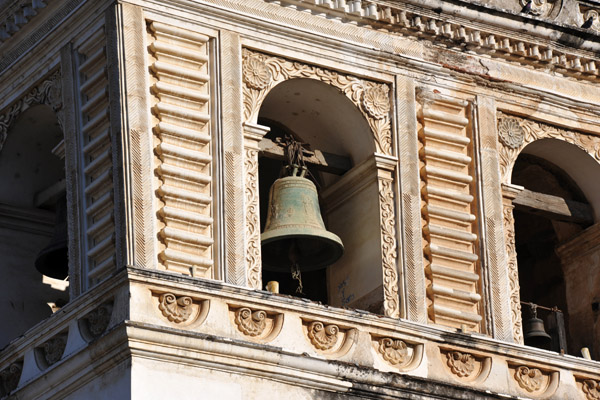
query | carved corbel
(252,136)
(256,324)
(466,366)
(329,338)
(401,354)
(509,193)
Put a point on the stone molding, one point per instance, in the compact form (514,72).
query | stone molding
(181,309)
(48,92)
(12,19)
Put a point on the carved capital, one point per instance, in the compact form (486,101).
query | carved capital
(175,309)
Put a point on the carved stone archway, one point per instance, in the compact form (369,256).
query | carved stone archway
(260,74)
(514,134)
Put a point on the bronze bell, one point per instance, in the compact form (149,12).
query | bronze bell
(294,230)
(534,333)
(52,260)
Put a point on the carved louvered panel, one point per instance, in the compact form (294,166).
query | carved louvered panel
(180,83)
(96,159)
(449,213)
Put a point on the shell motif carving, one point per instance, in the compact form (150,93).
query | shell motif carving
(9,377)
(322,336)
(591,388)
(394,351)
(461,364)
(175,309)
(251,323)
(511,134)
(98,319)
(530,379)
(54,348)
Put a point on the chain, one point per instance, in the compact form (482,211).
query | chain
(297,276)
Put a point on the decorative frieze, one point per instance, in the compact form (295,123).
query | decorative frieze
(180,82)
(262,72)
(96,180)
(449,212)
(180,309)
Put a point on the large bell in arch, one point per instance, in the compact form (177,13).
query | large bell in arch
(294,231)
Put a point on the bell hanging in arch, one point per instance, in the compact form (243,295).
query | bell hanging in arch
(533,331)
(294,231)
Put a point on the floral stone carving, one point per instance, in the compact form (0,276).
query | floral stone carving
(530,379)
(256,75)
(98,319)
(591,388)
(251,323)
(175,309)
(10,377)
(376,100)
(53,350)
(511,134)
(461,364)
(322,336)
(394,351)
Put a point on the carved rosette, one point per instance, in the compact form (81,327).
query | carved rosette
(262,72)
(460,364)
(536,130)
(9,377)
(591,389)
(510,133)
(48,92)
(175,309)
(251,323)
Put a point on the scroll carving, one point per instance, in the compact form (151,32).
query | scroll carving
(537,130)
(9,377)
(591,18)
(49,92)
(530,379)
(252,219)
(591,388)
(98,319)
(51,351)
(262,72)
(394,351)
(461,364)
(538,7)
(249,322)
(388,248)
(513,273)
(322,336)
(175,309)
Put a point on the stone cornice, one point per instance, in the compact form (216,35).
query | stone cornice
(496,34)
(17,14)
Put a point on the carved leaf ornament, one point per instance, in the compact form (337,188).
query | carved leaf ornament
(530,379)
(175,309)
(251,323)
(394,351)
(591,388)
(461,364)
(323,337)
(260,72)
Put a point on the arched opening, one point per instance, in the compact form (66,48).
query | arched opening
(328,123)
(553,209)
(31,184)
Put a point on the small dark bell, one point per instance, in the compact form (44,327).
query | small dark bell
(294,231)
(52,260)
(535,335)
